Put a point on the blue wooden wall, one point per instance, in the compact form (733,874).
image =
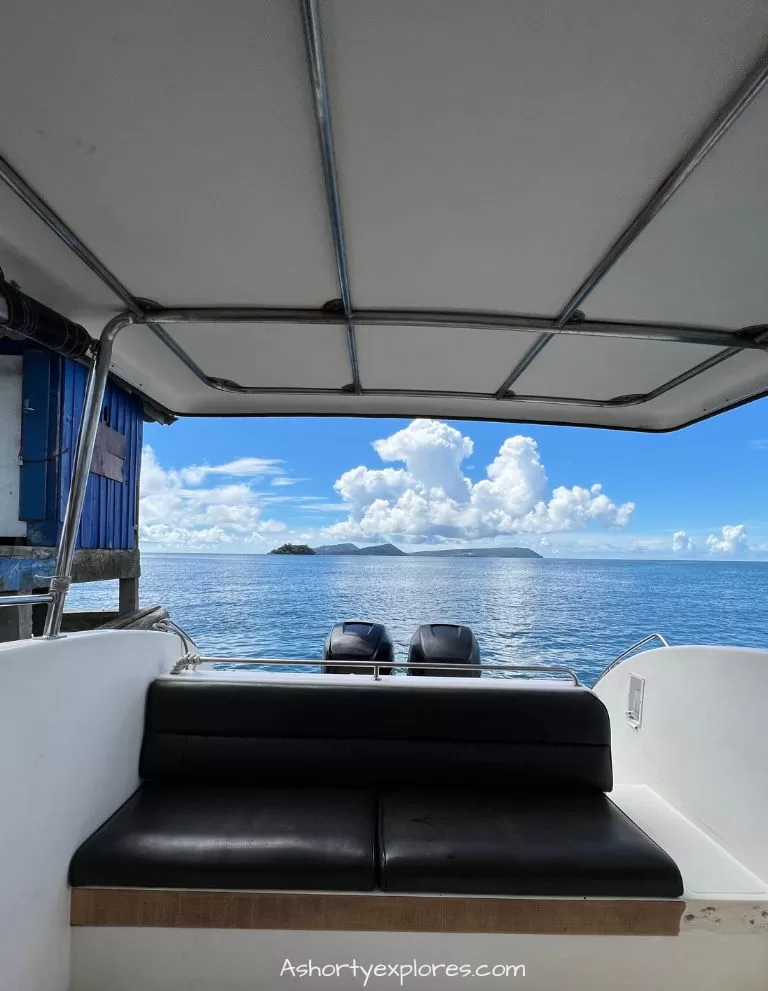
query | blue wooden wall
(53,391)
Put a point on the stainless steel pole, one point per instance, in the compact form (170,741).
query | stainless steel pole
(81,467)
(316,59)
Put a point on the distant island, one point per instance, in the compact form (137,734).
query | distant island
(389,550)
(379,550)
(479,552)
(293,549)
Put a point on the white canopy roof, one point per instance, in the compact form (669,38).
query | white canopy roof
(468,208)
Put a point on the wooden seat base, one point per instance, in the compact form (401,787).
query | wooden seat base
(152,907)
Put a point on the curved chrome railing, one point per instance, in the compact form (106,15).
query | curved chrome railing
(376,666)
(191,655)
(630,650)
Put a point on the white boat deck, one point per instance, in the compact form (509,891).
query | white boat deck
(710,873)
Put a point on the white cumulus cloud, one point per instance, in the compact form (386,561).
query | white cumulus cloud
(732,540)
(431,499)
(683,542)
(175,511)
(181,536)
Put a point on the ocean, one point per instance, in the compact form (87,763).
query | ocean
(577,614)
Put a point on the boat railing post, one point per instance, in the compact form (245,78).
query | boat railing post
(81,467)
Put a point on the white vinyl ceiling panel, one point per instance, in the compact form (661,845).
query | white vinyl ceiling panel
(46,269)
(741,377)
(142,360)
(434,359)
(704,258)
(490,151)
(727,384)
(271,355)
(606,368)
(178,140)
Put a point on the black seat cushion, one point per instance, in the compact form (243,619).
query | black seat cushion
(187,836)
(377,734)
(528,844)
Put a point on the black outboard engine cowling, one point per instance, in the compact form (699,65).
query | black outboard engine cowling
(444,643)
(357,640)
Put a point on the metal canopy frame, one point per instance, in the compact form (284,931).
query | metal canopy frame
(570,321)
(153,316)
(684,168)
(751,338)
(316,61)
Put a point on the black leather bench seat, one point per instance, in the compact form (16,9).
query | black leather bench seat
(411,788)
(526,844)
(186,836)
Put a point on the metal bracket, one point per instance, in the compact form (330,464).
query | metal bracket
(635,696)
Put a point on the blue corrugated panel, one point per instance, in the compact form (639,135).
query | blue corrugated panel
(109,514)
(110,509)
(40,377)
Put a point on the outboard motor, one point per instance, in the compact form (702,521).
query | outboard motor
(444,643)
(356,640)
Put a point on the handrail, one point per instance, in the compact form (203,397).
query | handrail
(191,656)
(168,625)
(25,600)
(376,666)
(630,650)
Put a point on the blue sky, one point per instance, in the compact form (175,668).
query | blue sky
(233,485)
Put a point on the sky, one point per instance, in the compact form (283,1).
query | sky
(248,485)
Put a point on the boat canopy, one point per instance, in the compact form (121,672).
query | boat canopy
(552,212)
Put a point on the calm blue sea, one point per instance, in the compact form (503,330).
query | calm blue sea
(575,613)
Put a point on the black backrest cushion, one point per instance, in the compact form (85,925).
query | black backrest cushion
(373,733)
